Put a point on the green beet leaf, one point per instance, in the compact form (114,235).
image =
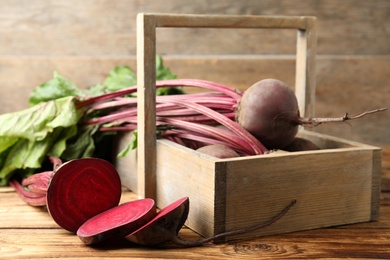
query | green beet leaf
(30,135)
(58,87)
(120,77)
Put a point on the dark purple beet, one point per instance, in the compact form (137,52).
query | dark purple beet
(164,227)
(269,111)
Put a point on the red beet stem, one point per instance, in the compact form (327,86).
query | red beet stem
(227,137)
(31,198)
(309,121)
(165,83)
(42,178)
(255,144)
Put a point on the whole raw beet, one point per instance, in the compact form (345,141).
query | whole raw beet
(218,150)
(269,111)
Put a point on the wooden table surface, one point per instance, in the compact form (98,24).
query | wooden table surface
(29,233)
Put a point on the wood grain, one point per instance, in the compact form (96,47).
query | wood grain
(85,39)
(42,240)
(101,28)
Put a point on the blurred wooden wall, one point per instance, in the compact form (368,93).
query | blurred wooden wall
(83,40)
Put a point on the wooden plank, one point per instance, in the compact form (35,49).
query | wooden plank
(12,208)
(146,107)
(230,21)
(79,28)
(366,240)
(327,194)
(305,76)
(376,183)
(326,243)
(385,182)
(195,179)
(126,166)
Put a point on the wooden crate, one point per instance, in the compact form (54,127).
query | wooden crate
(339,184)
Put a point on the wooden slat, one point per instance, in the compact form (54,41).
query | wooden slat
(69,27)
(229,21)
(326,194)
(329,243)
(12,208)
(146,107)
(305,76)
(367,240)
(385,182)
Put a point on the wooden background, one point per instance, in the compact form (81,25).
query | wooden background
(83,40)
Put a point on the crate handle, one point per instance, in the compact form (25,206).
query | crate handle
(147,23)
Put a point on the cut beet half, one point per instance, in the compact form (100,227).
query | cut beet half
(81,189)
(168,222)
(164,227)
(117,222)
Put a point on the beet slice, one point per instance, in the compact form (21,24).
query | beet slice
(117,222)
(164,227)
(81,189)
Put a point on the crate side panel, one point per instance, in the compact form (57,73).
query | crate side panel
(376,183)
(183,173)
(331,188)
(127,165)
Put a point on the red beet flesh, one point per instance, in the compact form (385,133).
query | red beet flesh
(81,189)
(117,222)
(164,227)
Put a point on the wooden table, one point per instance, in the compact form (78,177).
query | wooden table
(29,233)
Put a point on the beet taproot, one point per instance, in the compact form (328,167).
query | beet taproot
(117,222)
(80,189)
(218,150)
(269,111)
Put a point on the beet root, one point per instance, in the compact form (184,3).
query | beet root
(81,189)
(269,111)
(164,227)
(117,222)
(218,150)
